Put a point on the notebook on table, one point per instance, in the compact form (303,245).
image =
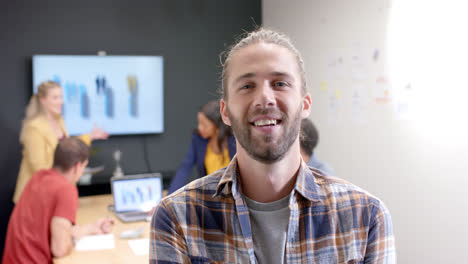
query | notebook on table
(135,195)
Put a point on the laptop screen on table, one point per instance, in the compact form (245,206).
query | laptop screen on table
(137,192)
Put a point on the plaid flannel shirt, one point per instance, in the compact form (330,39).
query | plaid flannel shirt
(331,221)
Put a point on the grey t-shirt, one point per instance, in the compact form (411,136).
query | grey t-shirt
(269,223)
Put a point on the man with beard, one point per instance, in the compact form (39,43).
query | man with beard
(268,206)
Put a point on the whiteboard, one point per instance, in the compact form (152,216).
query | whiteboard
(372,137)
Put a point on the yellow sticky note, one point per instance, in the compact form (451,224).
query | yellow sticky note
(337,94)
(323,86)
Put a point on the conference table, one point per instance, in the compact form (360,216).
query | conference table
(90,209)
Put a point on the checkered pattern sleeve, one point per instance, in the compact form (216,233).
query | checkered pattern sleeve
(167,245)
(380,242)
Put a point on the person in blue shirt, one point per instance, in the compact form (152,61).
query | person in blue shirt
(309,139)
(211,149)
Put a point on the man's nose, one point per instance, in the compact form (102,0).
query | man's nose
(265,96)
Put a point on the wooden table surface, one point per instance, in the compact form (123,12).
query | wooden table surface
(90,209)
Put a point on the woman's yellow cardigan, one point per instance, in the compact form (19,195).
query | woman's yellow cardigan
(39,142)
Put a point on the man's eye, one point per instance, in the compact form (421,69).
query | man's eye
(281,84)
(247,86)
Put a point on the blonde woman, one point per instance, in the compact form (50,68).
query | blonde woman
(42,129)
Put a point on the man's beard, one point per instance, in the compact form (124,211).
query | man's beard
(273,151)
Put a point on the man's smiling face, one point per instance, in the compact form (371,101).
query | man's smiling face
(265,102)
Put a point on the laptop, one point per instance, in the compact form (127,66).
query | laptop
(135,195)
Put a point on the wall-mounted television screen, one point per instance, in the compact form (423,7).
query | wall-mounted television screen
(120,94)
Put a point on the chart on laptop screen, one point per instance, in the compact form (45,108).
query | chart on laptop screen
(137,194)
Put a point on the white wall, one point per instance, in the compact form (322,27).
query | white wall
(418,167)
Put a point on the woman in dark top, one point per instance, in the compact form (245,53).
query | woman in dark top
(211,149)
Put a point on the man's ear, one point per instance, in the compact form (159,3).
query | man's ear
(224,112)
(76,169)
(306,105)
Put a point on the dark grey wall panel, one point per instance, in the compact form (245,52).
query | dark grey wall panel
(189,34)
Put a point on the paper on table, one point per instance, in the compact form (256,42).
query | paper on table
(139,246)
(96,242)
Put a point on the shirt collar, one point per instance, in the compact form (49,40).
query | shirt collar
(307,184)
(228,179)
